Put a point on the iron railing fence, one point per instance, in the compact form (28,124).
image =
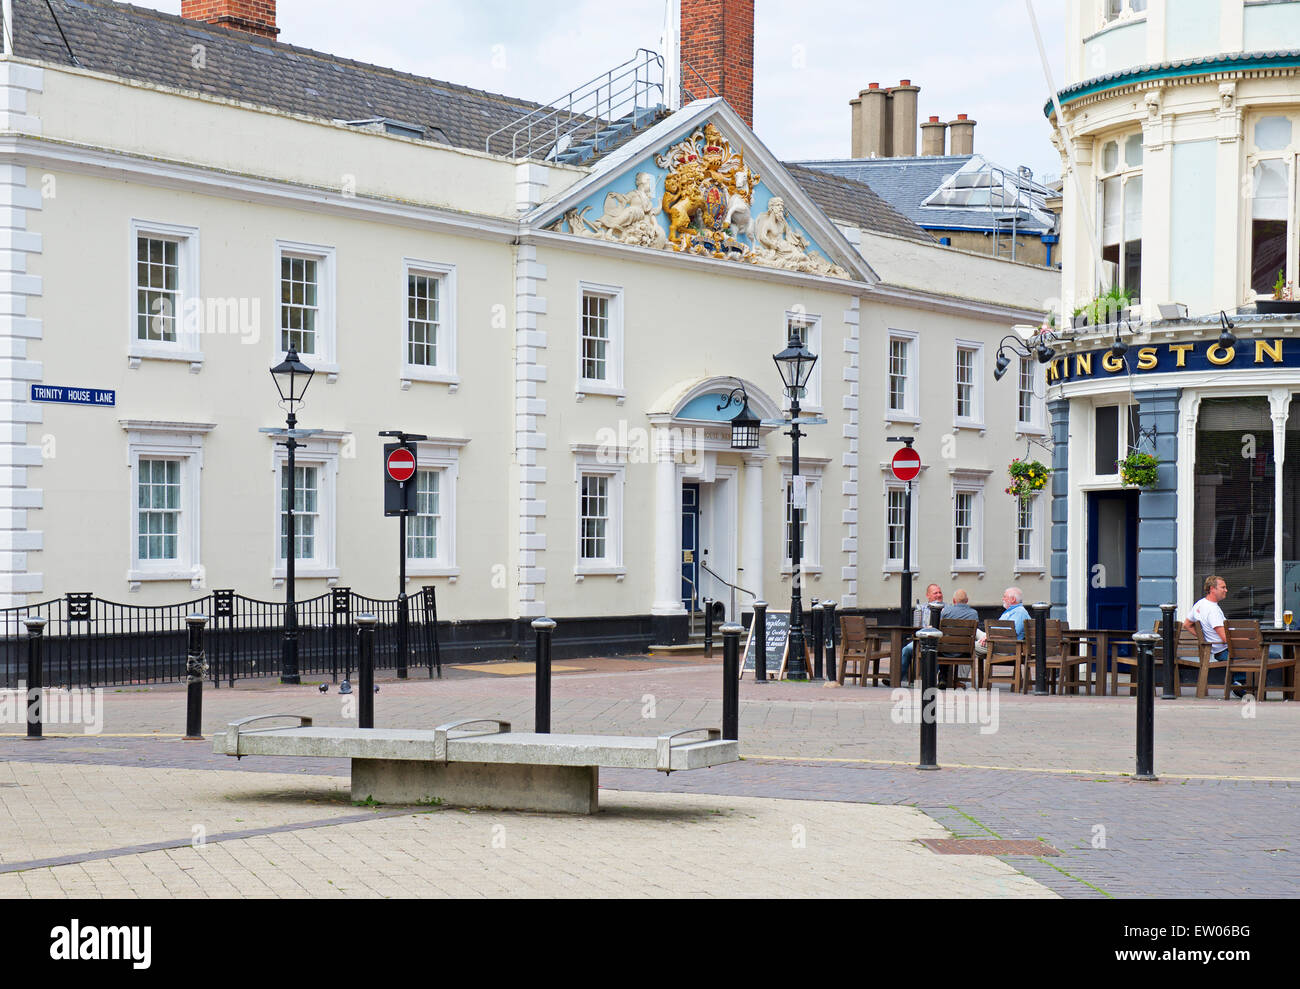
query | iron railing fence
(92,642)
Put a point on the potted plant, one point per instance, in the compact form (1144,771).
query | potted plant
(1139,470)
(1283,301)
(1106,309)
(1028,477)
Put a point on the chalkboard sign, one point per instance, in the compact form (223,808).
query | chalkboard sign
(778,640)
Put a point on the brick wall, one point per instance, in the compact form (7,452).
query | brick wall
(252,16)
(718,44)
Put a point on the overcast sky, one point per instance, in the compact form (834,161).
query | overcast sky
(812,57)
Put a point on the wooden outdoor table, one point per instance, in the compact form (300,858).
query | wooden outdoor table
(1289,640)
(898,636)
(1100,640)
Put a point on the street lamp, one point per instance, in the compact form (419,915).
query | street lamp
(291,378)
(745,426)
(1043,352)
(795,364)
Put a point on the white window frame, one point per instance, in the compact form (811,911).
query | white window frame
(325,359)
(968,482)
(912,413)
(1127,12)
(1040,504)
(812,400)
(976,419)
(187,346)
(182,442)
(1125,440)
(1125,173)
(446,370)
(324,453)
(1037,423)
(812,469)
(1290,158)
(592,461)
(894,565)
(612,384)
(441,454)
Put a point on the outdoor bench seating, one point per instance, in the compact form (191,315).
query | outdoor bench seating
(495,769)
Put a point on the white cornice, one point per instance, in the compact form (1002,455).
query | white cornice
(209,181)
(951,304)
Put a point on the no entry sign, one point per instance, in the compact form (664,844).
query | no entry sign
(401,465)
(907,464)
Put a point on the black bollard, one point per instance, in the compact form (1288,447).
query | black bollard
(828,627)
(708,629)
(1040,648)
(35,676)
(366,670)
(731,633)
(760,642)
(818,625)
(1146,706)
(196,667)
(1169,634)
(542,717)
(403,636)
(929,698)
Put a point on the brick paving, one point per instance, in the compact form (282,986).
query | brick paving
(1223,821)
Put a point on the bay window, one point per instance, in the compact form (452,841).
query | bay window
(1119,189)
(1272,172)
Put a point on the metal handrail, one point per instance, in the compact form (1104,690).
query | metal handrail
(734,588)
(592,105)
(703,82)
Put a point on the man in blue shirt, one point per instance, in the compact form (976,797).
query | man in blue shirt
(1014,610)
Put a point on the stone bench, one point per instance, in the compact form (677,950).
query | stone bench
(496,769)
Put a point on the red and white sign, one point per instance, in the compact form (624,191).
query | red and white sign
(907,464)
(401,466)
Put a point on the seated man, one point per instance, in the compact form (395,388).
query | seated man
(1013,599)
(960,609)
(920,618)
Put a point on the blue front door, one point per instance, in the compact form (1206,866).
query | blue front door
(690,546)
(1112,560)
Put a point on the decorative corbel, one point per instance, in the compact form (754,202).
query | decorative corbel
(1230,117)
(1155,126)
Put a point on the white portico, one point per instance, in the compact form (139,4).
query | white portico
(709,504)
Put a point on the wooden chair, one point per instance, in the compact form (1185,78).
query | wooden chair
(957,647)
(1062,667)
(1003,648)
(1190,650)
(1248,654)
(861,648)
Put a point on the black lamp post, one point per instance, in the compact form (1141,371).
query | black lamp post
(291,378)
(796,365)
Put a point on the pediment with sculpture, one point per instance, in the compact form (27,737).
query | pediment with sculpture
(709,206)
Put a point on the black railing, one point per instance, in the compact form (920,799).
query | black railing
(91,642)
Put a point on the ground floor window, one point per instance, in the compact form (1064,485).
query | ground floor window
(1234,514)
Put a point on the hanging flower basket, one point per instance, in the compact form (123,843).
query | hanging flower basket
(1028,477)
(1139,470)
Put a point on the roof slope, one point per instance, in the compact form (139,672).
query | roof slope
(149,46)
(853,202)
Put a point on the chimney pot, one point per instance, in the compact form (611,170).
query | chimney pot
(905,82)
(249,16)
(960,116)
(934,136)
(874,85)
(904,100)
(963,135)
(934,120)
(875,137)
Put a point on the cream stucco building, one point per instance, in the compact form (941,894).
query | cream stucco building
(184,201)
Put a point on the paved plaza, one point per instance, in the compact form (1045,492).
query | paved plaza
(826,802)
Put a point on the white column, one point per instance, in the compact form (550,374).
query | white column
(751,535)
(1188,588)
(668,528)
(1279,401)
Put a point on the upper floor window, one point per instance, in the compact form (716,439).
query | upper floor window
(600,339)
(165,320)
(1119,189)
(306,278)
(1113,10)
(807,329)
(1116,432)
(969,384)
(902,381)
(1272,162)
(429,337)
(1030,412)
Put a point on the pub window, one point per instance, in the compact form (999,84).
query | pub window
(1117,432)
(1234,514)
(1272,171)
(1119,187)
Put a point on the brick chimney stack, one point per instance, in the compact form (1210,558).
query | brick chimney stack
(717,50)
(250,16)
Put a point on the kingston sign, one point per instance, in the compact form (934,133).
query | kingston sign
(1207,355)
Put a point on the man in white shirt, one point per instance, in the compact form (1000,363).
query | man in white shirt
(1207,613)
